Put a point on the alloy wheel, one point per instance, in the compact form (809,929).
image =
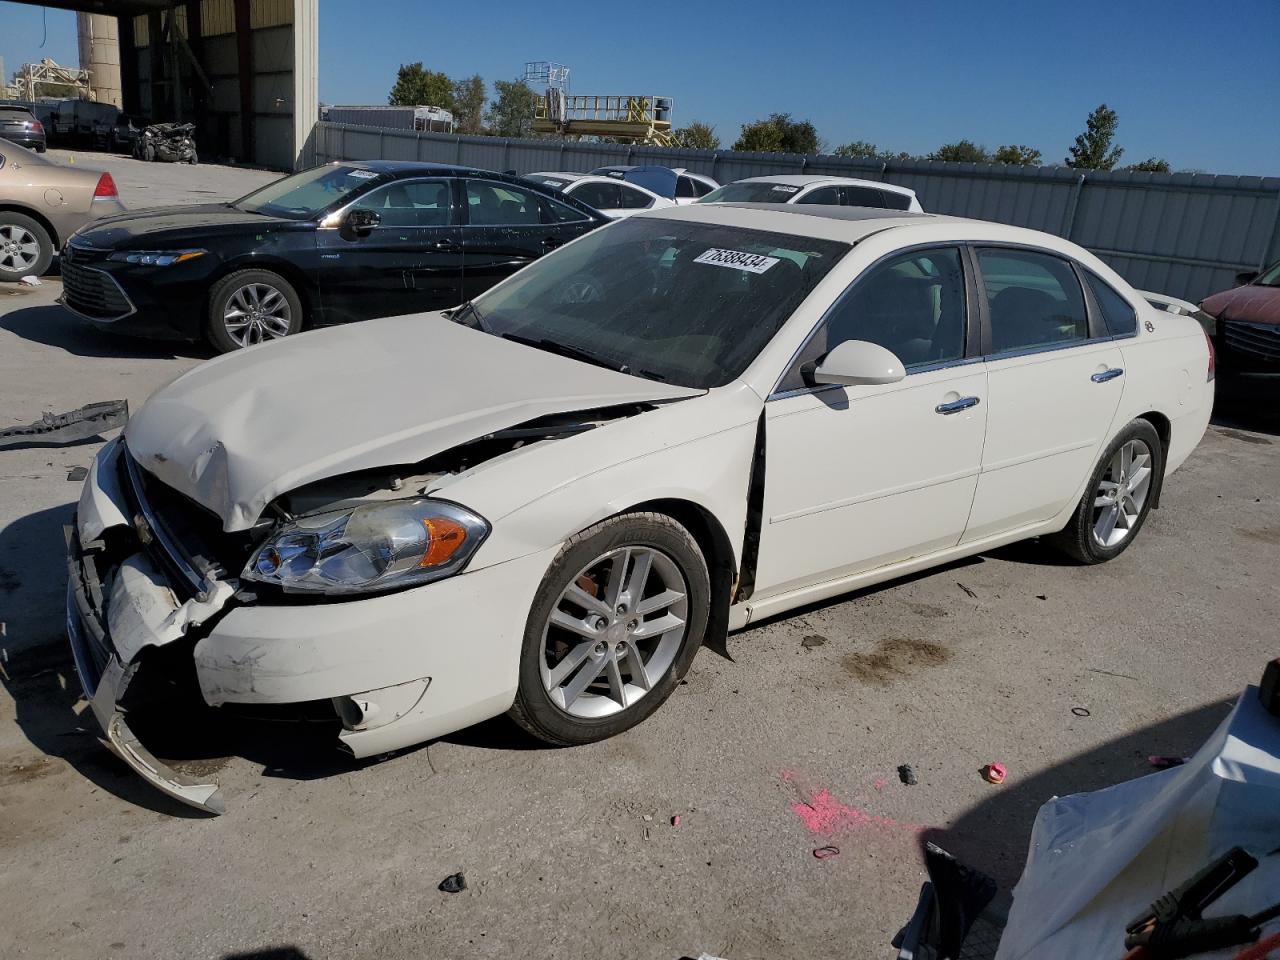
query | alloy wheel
(614,632)
(1121,494)
(19,249)
(256,312)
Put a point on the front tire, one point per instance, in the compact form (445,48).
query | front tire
(26,248)
(1118,499)
(249,307)
(614,626)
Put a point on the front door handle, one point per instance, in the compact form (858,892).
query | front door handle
(1106,375)
(445,246)
(955,406)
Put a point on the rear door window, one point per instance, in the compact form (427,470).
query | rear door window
(1119,316)
(822,195)
(1033,299)
(602,196)
(633,199)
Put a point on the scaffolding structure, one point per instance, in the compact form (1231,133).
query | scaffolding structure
(541,74)
(625,119)
(31,75)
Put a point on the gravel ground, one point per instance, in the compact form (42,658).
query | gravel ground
(790,745)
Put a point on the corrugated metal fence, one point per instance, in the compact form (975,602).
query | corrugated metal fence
(1182,234)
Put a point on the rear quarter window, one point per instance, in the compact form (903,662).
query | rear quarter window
(1119,316)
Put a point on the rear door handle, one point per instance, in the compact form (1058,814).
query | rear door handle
(445,246)
(1106,375)
(955,406)
(552,242)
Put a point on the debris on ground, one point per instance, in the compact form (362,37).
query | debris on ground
(1041,596)
(454,883)
(907,774)
(813,640)
(77,473)
(31,281)
(647,818)
(993,773)
(966,590)
(827,852)
(1164,763)
(88,421)
(675,821)
(1081,711)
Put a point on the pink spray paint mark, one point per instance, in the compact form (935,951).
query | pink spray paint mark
(824,814)
(881,783)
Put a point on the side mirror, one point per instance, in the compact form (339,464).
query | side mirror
(855,362)
(360,222)
(1246,277)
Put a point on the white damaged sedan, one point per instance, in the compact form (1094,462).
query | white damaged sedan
(543,502)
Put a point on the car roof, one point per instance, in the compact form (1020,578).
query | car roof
(562,175)
(797,180)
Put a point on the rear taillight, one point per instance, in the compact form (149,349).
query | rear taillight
(1212,361)
(37,126)
(106,187)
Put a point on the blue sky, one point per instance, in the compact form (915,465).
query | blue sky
(1195,84)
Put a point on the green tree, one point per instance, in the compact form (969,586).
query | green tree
(778,133)
(859,150)
(511,112)
(962,151)
(469,97)
(416,86)
(1151,165)
(1017,154)
(1092,149)
(697,136)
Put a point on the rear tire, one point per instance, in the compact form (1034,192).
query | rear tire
(26,249)
(633,638)
(1118,499)
(249,307)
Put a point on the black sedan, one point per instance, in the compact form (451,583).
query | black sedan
(347,241)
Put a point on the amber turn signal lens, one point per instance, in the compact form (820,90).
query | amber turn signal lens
(446,537)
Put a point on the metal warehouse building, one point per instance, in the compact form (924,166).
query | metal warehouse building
(244,71)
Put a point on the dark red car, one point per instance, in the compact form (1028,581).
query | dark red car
(1247,334)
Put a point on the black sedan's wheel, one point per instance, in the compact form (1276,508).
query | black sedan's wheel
(252,306)
(25,247)
(1119,496)
(614,626)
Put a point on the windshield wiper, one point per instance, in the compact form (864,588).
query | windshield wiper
(564,350)
(469,307)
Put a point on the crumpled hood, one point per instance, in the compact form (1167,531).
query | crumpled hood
(1252,304)
(238,431)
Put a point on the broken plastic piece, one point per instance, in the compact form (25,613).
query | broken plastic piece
(675,821)
(454,883)
(826,853)
(77,473)
(53,428)
(993,773)
(30,280)
(907,775)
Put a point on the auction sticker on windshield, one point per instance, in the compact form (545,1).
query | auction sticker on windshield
(784,188)
(751,262)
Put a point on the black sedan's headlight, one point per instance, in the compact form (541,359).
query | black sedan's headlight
(369,549)
(156,258)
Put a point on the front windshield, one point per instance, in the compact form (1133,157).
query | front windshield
(1270,277)
(748,191)
(305,195)
(686,303)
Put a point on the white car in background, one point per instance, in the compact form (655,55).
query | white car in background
(613,198)
(832,191)
(687,188)
(694,419)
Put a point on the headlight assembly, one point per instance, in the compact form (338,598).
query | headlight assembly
(369,549)
(156,258)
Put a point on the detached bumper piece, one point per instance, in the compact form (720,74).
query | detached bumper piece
(88,421)
(105,680)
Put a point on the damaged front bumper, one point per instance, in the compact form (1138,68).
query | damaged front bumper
(396,669)
(105,679)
